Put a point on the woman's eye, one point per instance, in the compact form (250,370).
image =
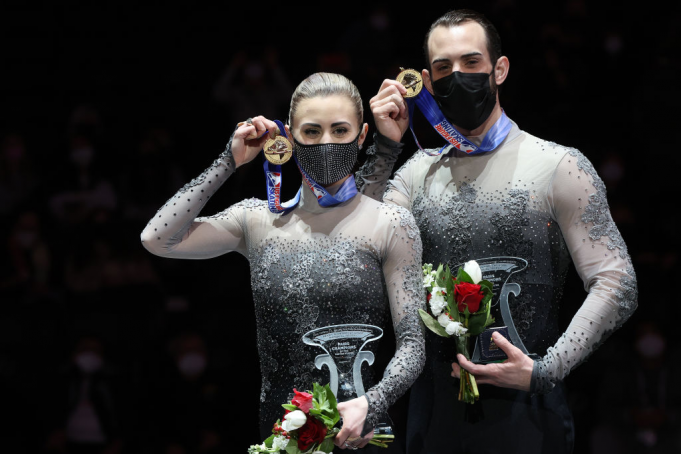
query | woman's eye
(340,131)
(311,132)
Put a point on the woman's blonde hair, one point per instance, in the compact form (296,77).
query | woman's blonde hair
(326,84)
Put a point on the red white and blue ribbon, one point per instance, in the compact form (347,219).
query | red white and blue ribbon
(428,106)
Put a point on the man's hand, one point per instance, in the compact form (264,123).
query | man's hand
(514,373)
(390,110)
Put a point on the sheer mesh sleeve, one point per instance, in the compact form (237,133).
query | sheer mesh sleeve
(577,199)
(373,176)
(402,271)
(175,230)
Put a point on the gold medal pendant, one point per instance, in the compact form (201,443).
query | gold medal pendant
(278,150)
(412,81)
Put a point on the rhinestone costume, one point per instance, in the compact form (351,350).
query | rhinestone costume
(356,262)
(529,198)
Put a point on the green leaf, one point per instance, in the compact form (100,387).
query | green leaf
(292,447)
(327,445)
(268,441)
(463,276)
(476,323)
(432,324)
(486,285)
(289,407)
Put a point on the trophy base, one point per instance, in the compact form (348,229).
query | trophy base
(487,351)
(383,429)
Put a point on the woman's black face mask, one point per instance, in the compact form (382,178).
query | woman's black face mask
(327,163)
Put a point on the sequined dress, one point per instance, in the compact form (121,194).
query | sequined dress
(356,262)
(531,199)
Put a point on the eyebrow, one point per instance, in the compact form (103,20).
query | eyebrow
(338,123)
(447,60)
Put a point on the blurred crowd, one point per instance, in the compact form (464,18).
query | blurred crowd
(105,348)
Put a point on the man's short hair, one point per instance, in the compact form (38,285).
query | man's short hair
(460,16)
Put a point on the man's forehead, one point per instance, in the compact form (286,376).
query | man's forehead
(454,41)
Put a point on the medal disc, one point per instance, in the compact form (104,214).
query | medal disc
(412,81)
(278,150)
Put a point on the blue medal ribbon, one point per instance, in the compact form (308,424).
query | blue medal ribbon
(346,191)
(274,183)
(428,106)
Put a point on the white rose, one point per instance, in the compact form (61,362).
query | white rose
(437,303)
(294,420)
(455,329)
(473,269)
(444,320)
(279,442)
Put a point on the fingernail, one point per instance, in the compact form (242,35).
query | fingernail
(496,335)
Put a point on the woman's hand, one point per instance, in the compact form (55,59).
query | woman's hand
(250,137)
(354,413)
(514,373)
(390,110)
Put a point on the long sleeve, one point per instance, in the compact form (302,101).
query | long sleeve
(402,271)
(577,199)
(175,230)
(372,177)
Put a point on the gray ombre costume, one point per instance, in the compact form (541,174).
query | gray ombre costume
(531,199)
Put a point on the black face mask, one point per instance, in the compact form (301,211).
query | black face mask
(466,99)
(327,163)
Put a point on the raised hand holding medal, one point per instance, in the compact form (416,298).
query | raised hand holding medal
(251,136)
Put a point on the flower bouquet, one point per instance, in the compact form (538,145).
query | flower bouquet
(459,307)
(309,425)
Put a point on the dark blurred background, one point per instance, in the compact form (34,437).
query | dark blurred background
(106,109)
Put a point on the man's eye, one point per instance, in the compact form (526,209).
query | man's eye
(471,62)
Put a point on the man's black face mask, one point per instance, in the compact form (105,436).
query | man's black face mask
(466,99)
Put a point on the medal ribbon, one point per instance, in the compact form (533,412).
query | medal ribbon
(273,179)
(347,190)
(428,106)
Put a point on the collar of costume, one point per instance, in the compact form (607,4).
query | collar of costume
(428,106)
(274,183)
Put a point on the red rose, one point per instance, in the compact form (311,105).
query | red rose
(302,400)
(468,295)
(312,432)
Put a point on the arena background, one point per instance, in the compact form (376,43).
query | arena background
(155,91)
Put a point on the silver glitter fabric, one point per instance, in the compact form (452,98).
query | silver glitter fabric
(531,199)
(356,262)
(327,163)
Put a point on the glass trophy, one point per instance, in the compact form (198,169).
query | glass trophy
(345,353)
(498,271)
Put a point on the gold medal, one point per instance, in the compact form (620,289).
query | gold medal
(411,80)
(278,150)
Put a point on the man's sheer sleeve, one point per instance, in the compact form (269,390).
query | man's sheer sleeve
(577,199)
(372,178)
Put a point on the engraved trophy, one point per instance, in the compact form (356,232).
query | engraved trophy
(498,271)
(344,346)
